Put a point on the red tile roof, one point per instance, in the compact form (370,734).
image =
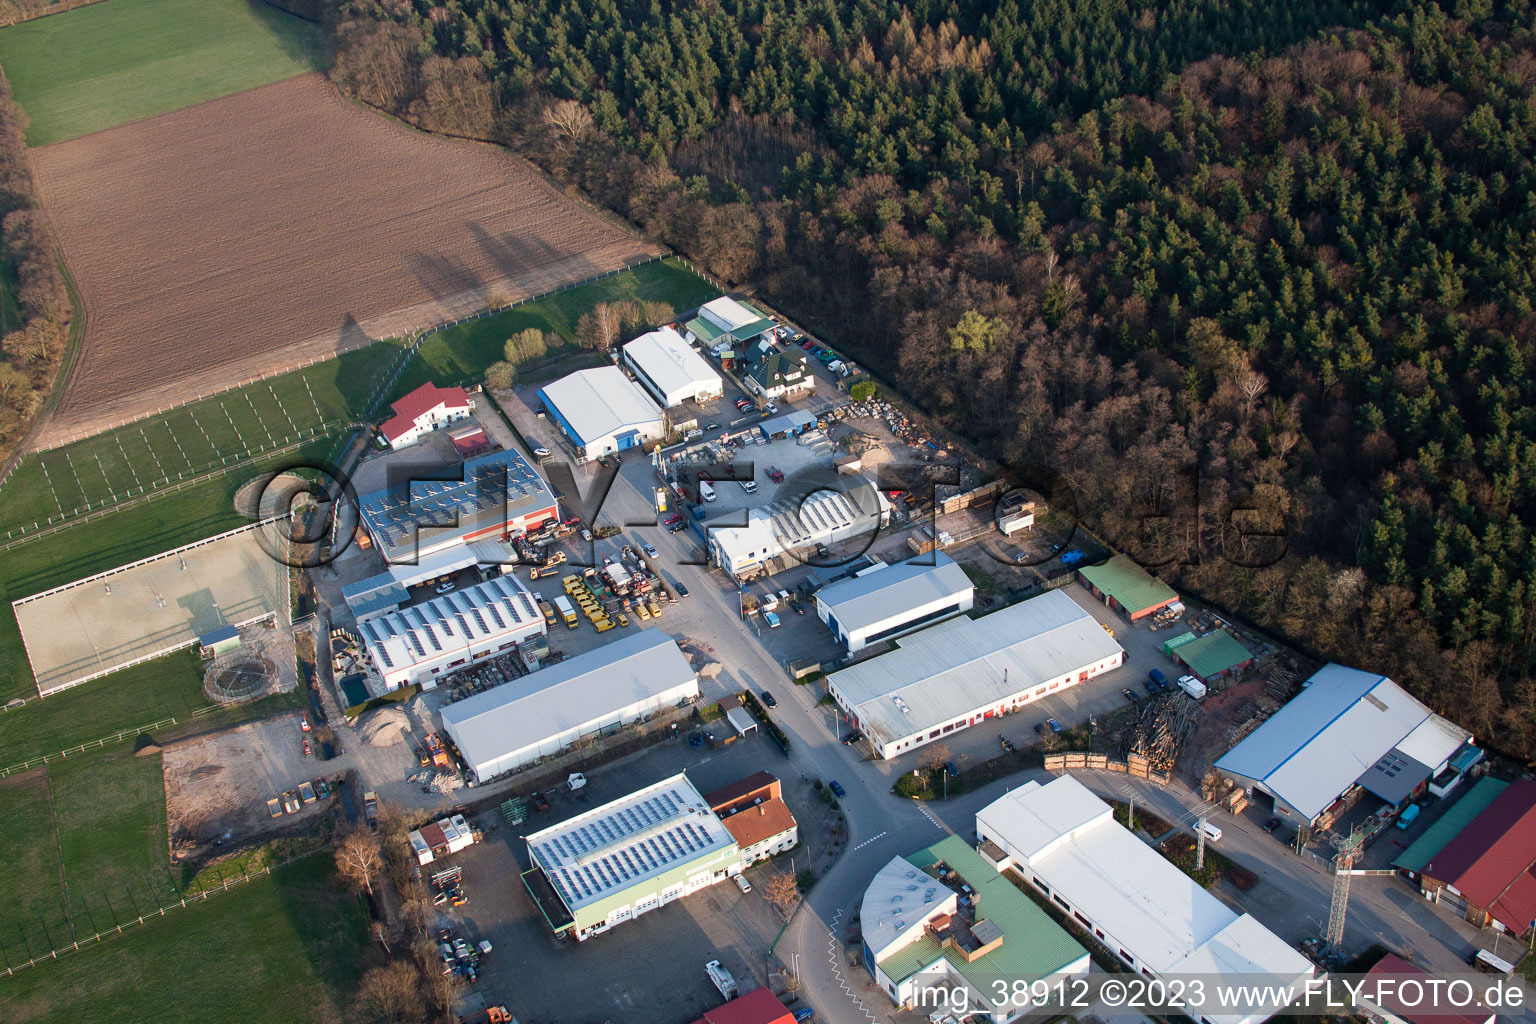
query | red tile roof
(1493,860)
(1426,1011)
(759,1006)
(413,405)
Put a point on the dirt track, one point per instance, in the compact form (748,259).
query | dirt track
(220,241)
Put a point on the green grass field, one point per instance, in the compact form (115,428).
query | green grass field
(276,950)
(109,63)
(459,355)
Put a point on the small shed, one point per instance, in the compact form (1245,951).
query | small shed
(791,423)
(742,722)
(1211,656)
(216,642)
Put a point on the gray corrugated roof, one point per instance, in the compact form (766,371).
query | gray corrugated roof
(1331,734)
(894,590)
(496,486)
(600,402)
(552,700)
(946,670)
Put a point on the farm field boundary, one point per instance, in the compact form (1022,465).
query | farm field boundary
(94,67)
(222,431)
(82,748)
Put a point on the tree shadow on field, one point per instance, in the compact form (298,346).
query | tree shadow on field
(514,253)
(294,26)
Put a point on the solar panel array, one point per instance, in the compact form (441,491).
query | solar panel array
(453,621)
(501,480)
(631,839)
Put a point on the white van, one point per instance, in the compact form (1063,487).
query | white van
(706,490)
(1212,832)
(750,486)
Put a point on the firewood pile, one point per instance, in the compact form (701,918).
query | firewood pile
(1160,731)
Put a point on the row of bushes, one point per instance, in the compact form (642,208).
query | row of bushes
(756,710)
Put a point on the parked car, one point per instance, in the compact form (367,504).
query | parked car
(837,788)
(1271,825)
(586,535)
(769,700)
(743,884)
(772,619)
(646,547)
(851,738)
(1151,687)
(804,1014)
(1212,832)
(775,474)
(1409,816)
(675,517)
(807,344)
(949,766)
(682,591)
(444,587)
(1054,725)
(772,409)
(541,451)
(711,426)
(673,527)
(1040,728)
(1129,694)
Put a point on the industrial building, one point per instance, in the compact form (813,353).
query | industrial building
(423,643)
(776,531)
(424,410)
(440,838)
(546,711)
(1392,996)
(955,674)
(754,812)
(627,857)
(602,411)
(945,917)
(670,370)
(1448,826)
(1126,587)
(429,528)
(888,601)
(1064,841)
(1486,872)
(724,320)
(760,1006)
(1347,734)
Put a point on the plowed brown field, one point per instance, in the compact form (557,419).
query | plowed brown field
(224,240)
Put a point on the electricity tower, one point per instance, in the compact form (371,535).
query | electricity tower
(1348,848)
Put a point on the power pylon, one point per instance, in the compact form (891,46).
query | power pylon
(1348,848)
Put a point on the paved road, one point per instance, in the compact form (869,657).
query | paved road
(1292,896)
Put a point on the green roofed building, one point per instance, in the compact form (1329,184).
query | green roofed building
(1210,656)
(726,320)
(1127,587)
(943,915)
(1449,825)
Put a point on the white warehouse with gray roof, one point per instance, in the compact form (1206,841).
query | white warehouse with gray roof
(953,675)
(888,601)
(543,713)
(425,642)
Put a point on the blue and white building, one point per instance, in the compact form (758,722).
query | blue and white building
(602,411)
(887,601)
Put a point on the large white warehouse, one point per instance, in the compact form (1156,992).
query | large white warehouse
(602,411)
(788,525)
(1066,843)
(952,675)
(891,600)
(425,642)
(543,713)
(670,370)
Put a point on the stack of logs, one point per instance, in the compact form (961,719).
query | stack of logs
(1161,730)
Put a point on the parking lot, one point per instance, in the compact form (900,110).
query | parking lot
(650,968)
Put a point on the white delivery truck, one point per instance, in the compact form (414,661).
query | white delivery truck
(706,490)
(1192,686)
(722,978)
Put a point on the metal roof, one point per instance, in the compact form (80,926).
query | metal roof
(1342,724)
(1170,923)
(940,673)
(416,515)
(501,606)
(1394,776)
(600,403)
(795,419)
(1213,653)
(1449,824)
(553,700)
(623,843)
(1433,742)
(1129,584)
(670,362)
(1492,861)
(737,319)
(1034,946)
(367,596)
(895,590)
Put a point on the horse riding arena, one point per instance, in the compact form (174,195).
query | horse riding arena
(97,625)
(215,243)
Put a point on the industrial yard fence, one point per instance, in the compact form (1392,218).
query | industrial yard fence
(157,912)
(90,745)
